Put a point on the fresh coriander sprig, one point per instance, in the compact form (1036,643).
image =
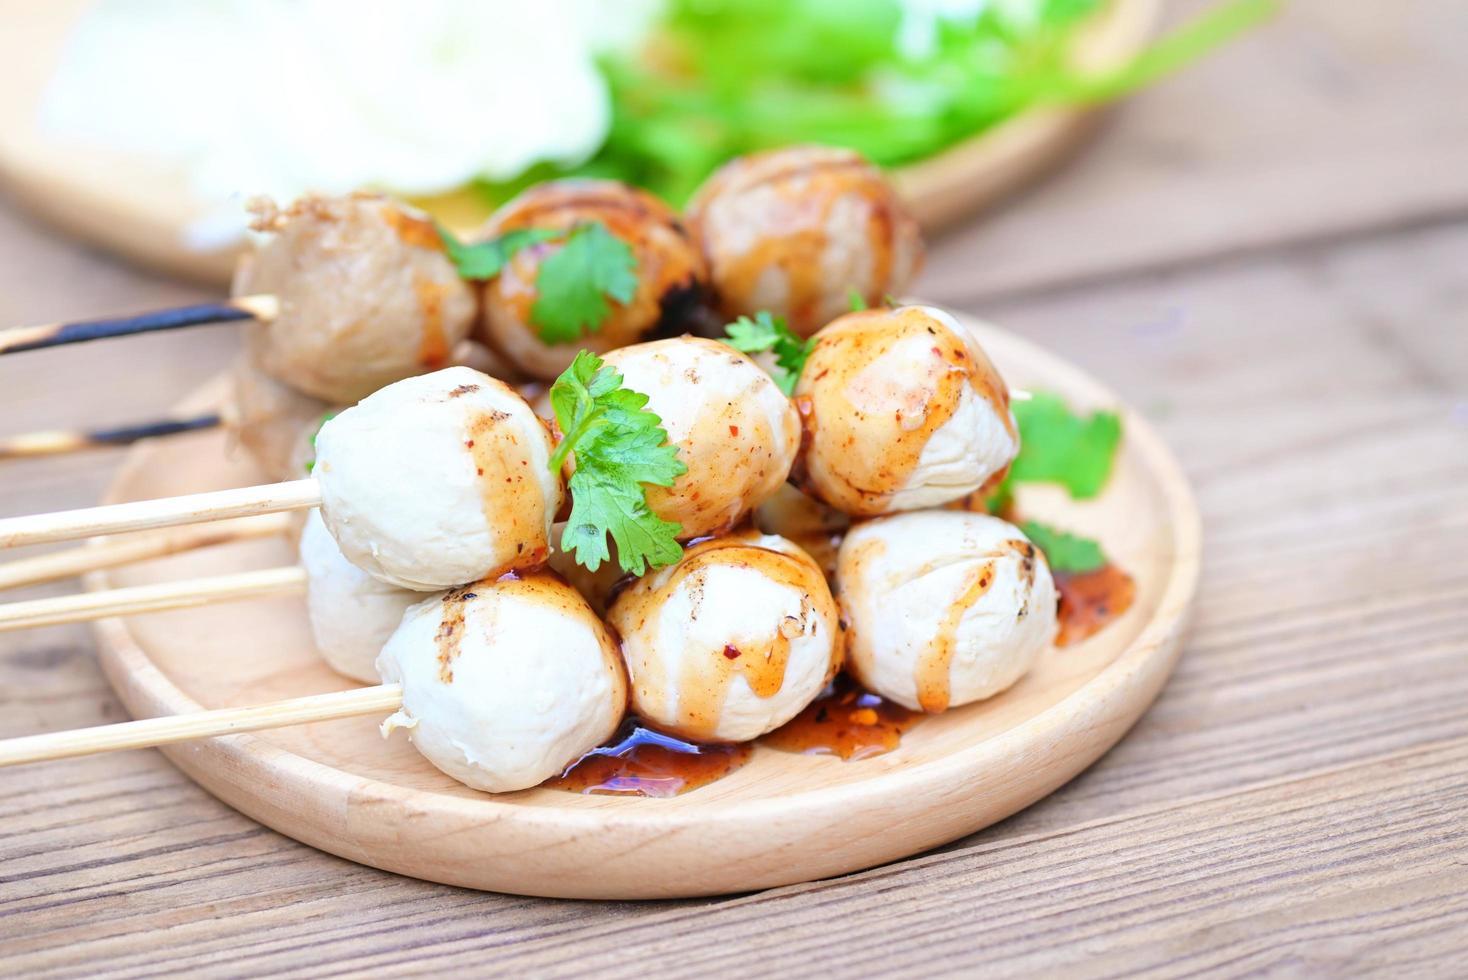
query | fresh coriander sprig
(769,333)
(574,283)
(620,447)
(1065,552)
(484,260)
(1061,446)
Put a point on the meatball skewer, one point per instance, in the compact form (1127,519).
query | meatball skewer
(475,710)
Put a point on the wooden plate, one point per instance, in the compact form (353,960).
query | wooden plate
(782,818)
(140,210)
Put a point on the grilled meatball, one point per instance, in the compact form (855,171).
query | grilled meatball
(367,295)
(902,411)
(732,641)
(272,421)
(505,682)
(797,231)
(669,268)
(735,430)
(943,607)
(438,480)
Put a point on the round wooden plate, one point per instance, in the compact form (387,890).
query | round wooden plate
(140,210)
(782,818)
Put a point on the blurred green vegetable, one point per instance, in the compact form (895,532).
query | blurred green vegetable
(719,78)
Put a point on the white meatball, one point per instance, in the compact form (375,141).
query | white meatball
(943,607)
(903,411)
(505,683)
(730,642)
(366,293)
(796,230)
(438,480)
(734,428)
(352,614)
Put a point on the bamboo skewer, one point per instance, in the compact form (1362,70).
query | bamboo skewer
(151,732)
(166,512)
(86,606)
(57,441)
(112,552)
(17,339)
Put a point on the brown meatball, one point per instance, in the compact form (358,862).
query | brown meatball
(272,421)
(367,295)
(797,231)
(670,270)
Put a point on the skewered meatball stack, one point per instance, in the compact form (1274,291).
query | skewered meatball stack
(670,270)
(797,231)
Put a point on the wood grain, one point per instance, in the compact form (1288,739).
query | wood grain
(1267,255)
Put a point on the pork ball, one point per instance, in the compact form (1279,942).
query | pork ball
(352,614)
(367,295)
(943,607)
(902,411)
(730,642)
(734,428)
(796,231)
(438,480)
(505,682)
(271,420)
(670,270)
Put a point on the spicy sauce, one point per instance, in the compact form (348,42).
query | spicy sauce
(641,762)
(1090,600)
(845,721)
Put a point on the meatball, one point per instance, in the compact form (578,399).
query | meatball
(505,682)
(797,231)
(670,270)
(352,614)
(735,430)
(272,421)
(732,641)
(438,480)
(943,607)
(367,295)
(902,411)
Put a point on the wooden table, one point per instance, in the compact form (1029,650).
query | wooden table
(1269,255)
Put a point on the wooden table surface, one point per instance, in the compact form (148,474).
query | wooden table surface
(1269,255)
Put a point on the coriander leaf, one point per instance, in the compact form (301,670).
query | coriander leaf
(1065,552)
(619,447)
(769,333)
(575,283)
(484,260)
(1058,446)
(856,300)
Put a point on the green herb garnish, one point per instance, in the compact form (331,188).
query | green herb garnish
(1059,446)
(769,333)
(1065,552)
(619,447)
(484,260)
(575,283)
